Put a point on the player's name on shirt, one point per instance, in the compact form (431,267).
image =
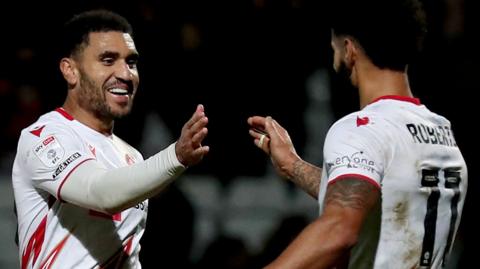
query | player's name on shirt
(426,134)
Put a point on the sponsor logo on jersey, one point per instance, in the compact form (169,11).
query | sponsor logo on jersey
(355,160)
(424,134)
(49,151)
(51,154)
(65,164)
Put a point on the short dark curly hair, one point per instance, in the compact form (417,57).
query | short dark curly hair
(76,31)
(391,32)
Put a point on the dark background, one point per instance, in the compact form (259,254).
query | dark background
(238,58)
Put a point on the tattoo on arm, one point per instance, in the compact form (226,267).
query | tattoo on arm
(352,193)
(307,177)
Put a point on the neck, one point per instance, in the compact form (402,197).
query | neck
(374,82)
(88,118)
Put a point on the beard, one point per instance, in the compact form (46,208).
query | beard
(345,96)
(343,74)
(93,99)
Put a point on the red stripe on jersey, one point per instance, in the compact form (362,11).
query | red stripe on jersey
(64,113)
(356,176)
(65,179)
(48,262)
(413,100)
(34,245)
(115,217)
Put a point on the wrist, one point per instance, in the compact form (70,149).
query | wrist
(172,152)
(176,160)
(291,166)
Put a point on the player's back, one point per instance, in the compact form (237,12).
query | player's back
(423,185)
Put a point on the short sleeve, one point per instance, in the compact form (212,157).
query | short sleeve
(354,148)
(49,159)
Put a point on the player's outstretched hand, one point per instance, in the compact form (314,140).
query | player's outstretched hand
(189,147)
(274,140)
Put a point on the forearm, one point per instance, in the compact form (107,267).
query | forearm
(322,244)
(114,190)
(307,176)
(327,241)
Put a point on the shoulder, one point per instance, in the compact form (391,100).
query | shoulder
(362,132)
(355,146)
(48,134)
(358,124)
(436,118)
(46,126)
(127,147)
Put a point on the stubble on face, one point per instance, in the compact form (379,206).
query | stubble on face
(344,73)
(93,99)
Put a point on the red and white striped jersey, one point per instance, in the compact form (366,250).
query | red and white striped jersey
(56,234)
(410,154)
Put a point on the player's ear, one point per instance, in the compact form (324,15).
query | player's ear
(351,52)
(69,71)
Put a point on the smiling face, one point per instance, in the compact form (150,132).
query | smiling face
(107,74)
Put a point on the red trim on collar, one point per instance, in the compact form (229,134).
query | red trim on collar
(64,113)
(413,100)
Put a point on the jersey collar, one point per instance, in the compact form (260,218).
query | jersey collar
(64,113)
(412,100)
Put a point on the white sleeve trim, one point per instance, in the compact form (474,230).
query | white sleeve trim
(92,186)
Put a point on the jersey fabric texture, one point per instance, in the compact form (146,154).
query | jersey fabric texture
(409,153)
(56,234)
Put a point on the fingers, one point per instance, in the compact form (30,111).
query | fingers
(257,122)
(189,147)
(200,108)
(198,154)
(260,136)
(263,125)
(195,128)
(274,129)
(197,115)
(263,143)
(267,132)
(198,132)
(201,151)
(199,136)
(199,124)
(260,141)
(269,125)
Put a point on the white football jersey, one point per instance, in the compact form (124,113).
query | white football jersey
(56,234)
(410,154)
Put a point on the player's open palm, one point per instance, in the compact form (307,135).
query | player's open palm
(189,147)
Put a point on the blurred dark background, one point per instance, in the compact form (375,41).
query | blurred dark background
(238,58)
